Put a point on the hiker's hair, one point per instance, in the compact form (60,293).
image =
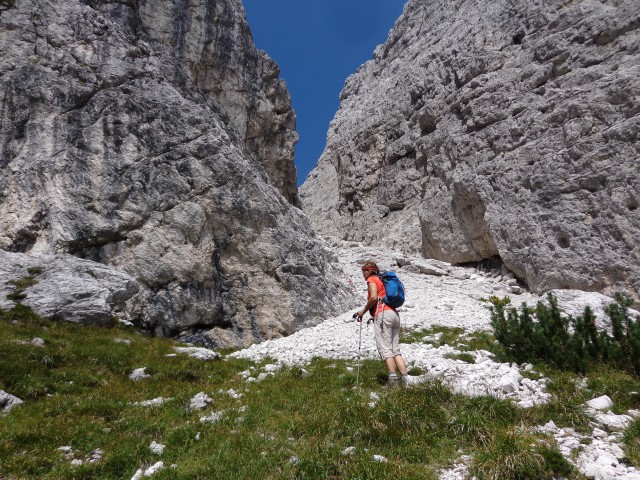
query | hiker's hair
(370,267)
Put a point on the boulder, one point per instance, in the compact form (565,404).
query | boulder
(8,401)
(64,287)
(428,269)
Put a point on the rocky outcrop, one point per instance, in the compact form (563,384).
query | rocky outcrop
(502,128)
(114,150)
(64,287)
(213,41)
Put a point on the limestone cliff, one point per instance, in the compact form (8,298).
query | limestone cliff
(212,39)
(154,138)
(495,128)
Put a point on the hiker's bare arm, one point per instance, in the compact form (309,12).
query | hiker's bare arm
(373,299)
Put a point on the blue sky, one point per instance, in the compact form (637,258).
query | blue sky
(317,45)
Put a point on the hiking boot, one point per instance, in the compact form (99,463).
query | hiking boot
(393,382)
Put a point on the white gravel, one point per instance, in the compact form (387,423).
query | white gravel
(450,296)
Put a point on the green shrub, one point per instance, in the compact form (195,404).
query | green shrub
(35,270)
(544,333)
(23,283)
(517,454)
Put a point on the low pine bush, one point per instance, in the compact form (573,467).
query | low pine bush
(544,333)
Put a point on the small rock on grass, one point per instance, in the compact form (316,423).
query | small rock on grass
(214,417)
(140,473)
(380,459)
(200,401)
(600,403)
(198,353)
(95,456)
(138,374)
(8,401)
(151,403)
(156,448)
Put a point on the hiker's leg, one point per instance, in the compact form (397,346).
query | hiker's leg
(391,364)
(395,343)
(402,366)
(383,342)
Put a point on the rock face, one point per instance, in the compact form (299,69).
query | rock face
(502,128)
(127,137)
(65,287)
(212,39)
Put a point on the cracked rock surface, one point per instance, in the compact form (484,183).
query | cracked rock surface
(502,128)
(66,287)
(155,139)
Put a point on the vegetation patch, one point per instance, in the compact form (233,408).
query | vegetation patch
(631,440)
(464,357)
(437,335)
(545,333)
(517,454)
(19,286)
(77,393)
(35,270)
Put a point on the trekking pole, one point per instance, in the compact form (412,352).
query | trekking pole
(359,348)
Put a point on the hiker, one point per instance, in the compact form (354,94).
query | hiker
(386,323)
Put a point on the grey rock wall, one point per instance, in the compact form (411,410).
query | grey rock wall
(66,287)
(212,39)
(111,151)
(501,128)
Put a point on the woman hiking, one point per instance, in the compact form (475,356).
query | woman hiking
(386,324)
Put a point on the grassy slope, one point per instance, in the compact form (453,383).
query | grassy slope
(77,393)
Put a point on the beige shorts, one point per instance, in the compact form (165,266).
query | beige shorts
(387,333)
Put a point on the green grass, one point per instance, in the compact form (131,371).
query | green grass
(465,357)
(571,390)
(517,454)
(444,335)
(632,442)
(454,336)
(35,270)
(22,283)
(19,285)
(77,393)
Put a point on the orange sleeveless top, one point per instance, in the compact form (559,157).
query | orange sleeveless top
(375,279)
